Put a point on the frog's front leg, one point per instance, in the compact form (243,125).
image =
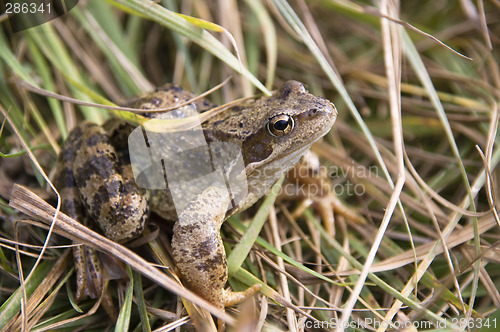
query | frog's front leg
(198,251)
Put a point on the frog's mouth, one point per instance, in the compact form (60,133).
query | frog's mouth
(286,162)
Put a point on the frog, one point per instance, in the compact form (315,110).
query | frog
(98,187)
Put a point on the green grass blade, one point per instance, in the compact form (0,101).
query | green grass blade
(240,251)
(47,39)
(123,64)
(123,321)
(295,22)
(48,84)
(270,39)
(10,308)
(188,29)
(141,302)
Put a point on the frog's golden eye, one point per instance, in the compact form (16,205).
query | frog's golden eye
(280,125)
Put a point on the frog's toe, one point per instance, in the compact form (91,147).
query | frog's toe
(91,280)
(89,276)
(81,273)
(233,298)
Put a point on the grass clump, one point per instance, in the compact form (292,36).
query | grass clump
(411,163)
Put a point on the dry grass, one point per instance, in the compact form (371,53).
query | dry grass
(411,163)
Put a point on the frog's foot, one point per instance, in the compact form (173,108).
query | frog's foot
(233,298)
(91,280)
(308,180)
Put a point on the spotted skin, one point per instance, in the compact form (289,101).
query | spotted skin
(95,179)
(196,247)
(107,189)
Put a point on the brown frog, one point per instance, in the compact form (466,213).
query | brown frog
(98,186)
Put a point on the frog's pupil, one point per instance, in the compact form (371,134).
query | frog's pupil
(281,125)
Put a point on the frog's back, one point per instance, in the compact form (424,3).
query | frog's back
(167,96)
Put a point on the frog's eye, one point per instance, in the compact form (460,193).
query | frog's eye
(280,125)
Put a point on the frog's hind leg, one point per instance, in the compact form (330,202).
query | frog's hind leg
(89,280)
(95,183)
(72,205)
(107,186)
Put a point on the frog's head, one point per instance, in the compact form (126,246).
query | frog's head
(274,132)
(274,128)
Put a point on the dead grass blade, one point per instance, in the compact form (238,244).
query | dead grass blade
(456,238)
(28,203)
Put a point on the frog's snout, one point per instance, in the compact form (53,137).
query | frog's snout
(331,110)
(321,115)
(323,112)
